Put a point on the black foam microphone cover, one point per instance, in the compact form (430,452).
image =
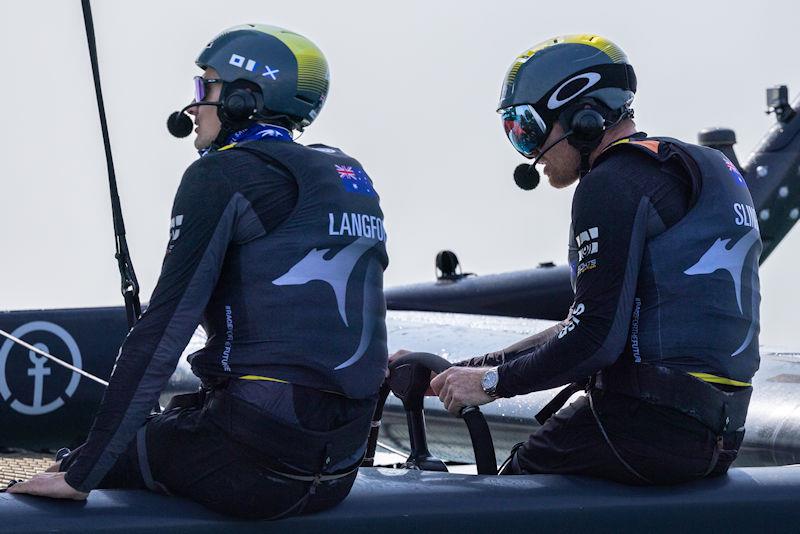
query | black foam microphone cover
(526,176)
(179,124)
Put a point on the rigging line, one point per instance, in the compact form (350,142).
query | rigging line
(78,370)
(130,285)
(392,449)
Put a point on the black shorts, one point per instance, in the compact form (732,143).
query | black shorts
(662,445)
(181,452)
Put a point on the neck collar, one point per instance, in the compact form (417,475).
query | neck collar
(253,132)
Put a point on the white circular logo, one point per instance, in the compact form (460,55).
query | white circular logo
(591,79)
(38,371)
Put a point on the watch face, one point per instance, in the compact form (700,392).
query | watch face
(489,380)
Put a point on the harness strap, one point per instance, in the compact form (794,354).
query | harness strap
(619,457)
(144,463)
(317,478)
(558,401)
(315,481)
(718,447)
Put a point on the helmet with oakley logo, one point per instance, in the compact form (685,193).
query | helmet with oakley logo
(558,75)
(290,71)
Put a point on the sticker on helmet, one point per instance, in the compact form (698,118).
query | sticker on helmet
(557,99)
(250,65)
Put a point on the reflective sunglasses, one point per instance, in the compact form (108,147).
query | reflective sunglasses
(525,128)
(200,87)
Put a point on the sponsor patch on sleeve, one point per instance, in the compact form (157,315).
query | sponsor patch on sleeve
(586,266)
(588,243)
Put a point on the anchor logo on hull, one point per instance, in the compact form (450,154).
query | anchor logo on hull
(39,370)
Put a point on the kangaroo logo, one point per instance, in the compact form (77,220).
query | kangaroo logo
(719,256)
(336,273)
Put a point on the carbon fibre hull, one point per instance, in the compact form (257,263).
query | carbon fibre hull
(773,425)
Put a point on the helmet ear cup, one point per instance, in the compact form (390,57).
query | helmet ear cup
(587,126)
(239,103)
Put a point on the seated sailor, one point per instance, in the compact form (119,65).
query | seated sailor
(292,303)
(663,331)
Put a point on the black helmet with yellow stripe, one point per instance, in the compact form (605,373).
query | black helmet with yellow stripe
(290,71)
(553,76)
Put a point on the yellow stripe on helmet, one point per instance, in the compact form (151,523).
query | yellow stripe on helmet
(312,67)
(605,46)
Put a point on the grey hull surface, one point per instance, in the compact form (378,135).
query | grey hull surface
(773,421)
(762,499)
(773,424)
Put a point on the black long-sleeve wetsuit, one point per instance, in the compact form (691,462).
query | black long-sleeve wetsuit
(627,198)
(606,200)
(226,203)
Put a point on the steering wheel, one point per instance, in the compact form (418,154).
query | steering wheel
(409,378)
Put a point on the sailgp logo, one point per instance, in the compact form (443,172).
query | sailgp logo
(24,374)
(732,260)
(336,273)
(588,243)
(175,227)
(174,231)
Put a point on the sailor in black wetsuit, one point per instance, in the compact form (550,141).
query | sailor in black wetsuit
(279,250)
(663,331)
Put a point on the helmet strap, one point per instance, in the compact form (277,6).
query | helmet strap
(585,165)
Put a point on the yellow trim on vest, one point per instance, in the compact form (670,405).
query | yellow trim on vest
(620,141)
(226,147)
(705,377)
(264,378)
(270,379)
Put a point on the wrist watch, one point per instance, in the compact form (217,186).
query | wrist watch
(489,382)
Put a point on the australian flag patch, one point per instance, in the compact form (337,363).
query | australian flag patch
(734,171)
(355,180)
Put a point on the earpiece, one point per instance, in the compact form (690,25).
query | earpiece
(587,125)
(240,101)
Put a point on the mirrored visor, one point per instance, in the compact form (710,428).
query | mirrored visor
(200,87)
(525,128)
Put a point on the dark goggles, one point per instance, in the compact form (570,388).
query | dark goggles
(525,128)
(200,87)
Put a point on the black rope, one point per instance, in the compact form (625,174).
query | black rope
(625,464)
(130,285)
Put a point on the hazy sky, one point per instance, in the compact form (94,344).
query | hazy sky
(413,92)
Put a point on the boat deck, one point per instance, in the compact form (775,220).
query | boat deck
(20,465)
(760,499)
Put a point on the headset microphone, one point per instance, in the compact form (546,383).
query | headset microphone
(179,124)
(526,176)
